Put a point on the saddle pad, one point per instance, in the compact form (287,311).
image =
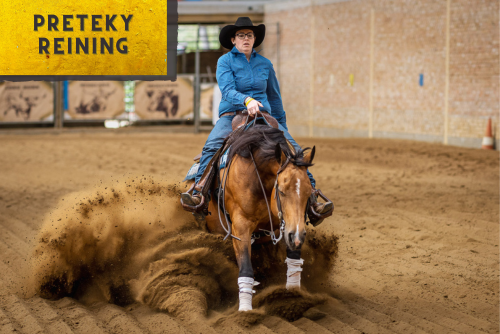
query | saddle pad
(192,172)
(223,159)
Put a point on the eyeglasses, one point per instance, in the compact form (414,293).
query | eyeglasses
(241,35)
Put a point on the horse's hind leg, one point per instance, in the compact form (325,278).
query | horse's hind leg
(294,264)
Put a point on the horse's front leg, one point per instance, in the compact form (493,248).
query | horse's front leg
(294,264)
(243,253)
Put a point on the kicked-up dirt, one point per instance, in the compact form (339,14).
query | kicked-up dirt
(89,220)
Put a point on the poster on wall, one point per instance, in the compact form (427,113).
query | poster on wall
(161,100)
(31,101)
(95,100)
(206,100)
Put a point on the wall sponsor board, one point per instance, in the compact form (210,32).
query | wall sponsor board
(95,99)
(206,100)
(88,39)
(164,99)
(171,100)
(26,101)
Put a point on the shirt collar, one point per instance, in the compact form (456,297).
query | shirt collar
(236,51)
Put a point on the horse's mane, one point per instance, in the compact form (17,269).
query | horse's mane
(261,140)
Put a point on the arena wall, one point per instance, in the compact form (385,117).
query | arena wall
(379,68)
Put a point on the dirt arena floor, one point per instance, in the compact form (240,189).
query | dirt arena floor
(418,228)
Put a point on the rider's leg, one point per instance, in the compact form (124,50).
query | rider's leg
(294,143)
(214,141)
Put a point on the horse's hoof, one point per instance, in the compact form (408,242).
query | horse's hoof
(244,309)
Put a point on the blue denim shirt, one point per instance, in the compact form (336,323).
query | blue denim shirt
(239,78)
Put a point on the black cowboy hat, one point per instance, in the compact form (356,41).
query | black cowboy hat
(230,30)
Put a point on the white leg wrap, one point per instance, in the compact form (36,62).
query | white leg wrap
(293,272)
(246,285)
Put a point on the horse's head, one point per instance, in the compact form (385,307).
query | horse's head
(291,193)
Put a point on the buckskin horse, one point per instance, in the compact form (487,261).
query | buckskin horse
(262,190)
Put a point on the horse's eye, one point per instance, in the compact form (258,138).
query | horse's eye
(281,193)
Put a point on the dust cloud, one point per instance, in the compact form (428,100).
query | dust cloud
(130,241)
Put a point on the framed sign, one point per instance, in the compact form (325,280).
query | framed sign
(88,40)
(95,99)
(162,100)
(26,101)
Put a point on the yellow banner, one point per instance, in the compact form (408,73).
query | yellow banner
(84,37)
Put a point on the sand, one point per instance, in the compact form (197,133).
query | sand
(417,227)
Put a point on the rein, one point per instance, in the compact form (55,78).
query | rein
(222,192)
(278,201)
(276,196)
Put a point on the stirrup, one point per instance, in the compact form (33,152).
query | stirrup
(316,218)
(188,204)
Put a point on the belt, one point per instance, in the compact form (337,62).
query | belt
(239,112)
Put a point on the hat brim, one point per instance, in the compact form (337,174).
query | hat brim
(228,32)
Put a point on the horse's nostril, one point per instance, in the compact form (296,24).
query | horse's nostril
(290,237)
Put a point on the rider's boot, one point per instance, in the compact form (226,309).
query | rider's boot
(325,210)
(193,201)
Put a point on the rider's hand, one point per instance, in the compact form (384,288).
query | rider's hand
(253,107)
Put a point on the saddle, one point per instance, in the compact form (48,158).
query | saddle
(242,118)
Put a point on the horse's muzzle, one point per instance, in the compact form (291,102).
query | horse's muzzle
(295,240)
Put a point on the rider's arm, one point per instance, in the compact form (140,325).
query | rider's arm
(227,85)
(274,98)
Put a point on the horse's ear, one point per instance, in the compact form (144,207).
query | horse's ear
(277,152)
(310,155)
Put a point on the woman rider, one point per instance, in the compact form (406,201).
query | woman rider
(247,81)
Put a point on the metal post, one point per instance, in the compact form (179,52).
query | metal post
(58,105)
(196,110)
(184,62)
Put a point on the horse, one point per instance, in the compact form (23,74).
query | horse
(264,189)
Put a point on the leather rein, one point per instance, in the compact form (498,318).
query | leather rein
(278,201)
